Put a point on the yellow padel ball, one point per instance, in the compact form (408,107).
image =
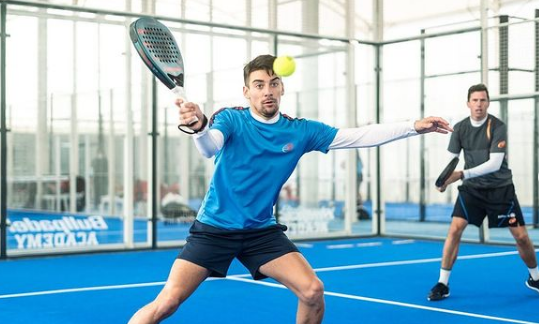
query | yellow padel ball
(284,66)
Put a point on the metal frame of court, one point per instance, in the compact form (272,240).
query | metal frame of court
(349,44)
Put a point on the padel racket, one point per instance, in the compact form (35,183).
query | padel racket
(159,51)
(446,173)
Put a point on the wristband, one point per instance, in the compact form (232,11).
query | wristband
(190,131)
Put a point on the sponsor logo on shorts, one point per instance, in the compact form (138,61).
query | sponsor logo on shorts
(511,218)
(501,144)
(512,215)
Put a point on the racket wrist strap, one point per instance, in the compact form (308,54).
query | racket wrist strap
(192,132)
(204,123)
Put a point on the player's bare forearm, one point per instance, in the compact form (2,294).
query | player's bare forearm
(432,124)
(454,177)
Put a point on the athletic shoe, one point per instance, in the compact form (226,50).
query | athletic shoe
(438,292)
(532,284)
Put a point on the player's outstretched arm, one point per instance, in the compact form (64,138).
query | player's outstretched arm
(379,134)
(432,124)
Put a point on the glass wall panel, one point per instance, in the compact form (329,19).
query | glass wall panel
(448,74)
(399,159)
(518,79)
(520,126)
(366,114)
(95,160)
(66,155)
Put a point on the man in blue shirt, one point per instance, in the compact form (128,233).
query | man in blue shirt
(256,149)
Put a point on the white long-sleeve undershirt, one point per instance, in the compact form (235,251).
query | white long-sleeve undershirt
(493,164)
(371,135)
(210,141)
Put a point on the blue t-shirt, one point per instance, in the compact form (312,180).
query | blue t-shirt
(254,163)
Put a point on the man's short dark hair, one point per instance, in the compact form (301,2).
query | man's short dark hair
(477,88)
(261,62)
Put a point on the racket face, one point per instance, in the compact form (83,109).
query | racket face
(158,49)
(447,172)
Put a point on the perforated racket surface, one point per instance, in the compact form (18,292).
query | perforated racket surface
(158,49)
(446,173)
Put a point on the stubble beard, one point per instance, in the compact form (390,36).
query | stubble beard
(269,112)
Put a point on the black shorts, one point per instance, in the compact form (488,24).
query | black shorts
(499,204)
(214,248)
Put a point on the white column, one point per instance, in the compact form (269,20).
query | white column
(484,41)
(128,212)
(111,159)
(351,165)
(73,156)
(484,79)
(42,137)
(145,145)
(378,19)
(308,171)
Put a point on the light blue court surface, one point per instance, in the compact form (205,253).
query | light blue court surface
(366,280)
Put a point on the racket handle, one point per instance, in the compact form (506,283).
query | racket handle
(180,93)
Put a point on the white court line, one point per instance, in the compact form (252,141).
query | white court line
(339,246)
(369,244)
(351,245)
(394,303)
(304,245)
(394,263)
(63,291)
(338,268)
(111,287)
(399,242)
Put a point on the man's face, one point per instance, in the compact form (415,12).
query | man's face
(478,105)
(264,93)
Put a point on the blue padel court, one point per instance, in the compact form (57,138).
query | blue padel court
(376,280)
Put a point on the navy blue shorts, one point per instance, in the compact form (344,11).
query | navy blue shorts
(214,248)
(499,204)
